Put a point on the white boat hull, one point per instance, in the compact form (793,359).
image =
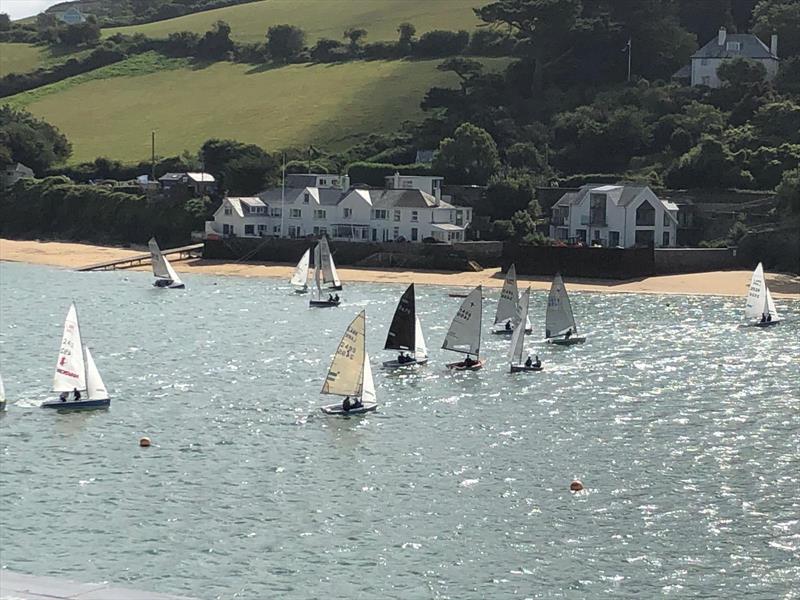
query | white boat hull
(394,364)
(336,410)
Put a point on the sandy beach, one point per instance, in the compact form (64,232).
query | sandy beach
(718,283)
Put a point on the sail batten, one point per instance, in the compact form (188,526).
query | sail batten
(346,374)
(559,319)
(464,334)
(518,338)
(70,372)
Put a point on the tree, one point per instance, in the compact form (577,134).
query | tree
(326,50)
(441,43)
(356,36)
(406,42)
(789,190)
(710,164)
(466,69)
(285,42)
(216,43)
(779,122)
(31,141)
(783,18)
(787,81)
(469,157)
(508,194)
(239,168)
(86,34)
(741,72)
(704,18)
(5,22)
(542,26)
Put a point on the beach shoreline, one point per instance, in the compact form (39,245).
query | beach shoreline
(715,283)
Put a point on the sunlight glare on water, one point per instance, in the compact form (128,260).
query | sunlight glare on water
(682,424)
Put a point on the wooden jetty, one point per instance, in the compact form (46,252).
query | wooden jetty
(32,587)
(142,259)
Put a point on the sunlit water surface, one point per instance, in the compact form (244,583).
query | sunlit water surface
(682,424)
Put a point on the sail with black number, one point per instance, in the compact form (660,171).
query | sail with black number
(464,334)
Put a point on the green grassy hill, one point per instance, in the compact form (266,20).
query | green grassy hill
(111,111)
(326,18)
(19,58)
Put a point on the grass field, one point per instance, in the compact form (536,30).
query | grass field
(322,18)
(19,58)
(327,105)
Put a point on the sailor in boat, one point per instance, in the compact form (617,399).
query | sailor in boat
(63,396)
(336,298)
(763,318)
(508,325)
(468,362)
(76,395)
(769,317)
(346,404)
(568,334)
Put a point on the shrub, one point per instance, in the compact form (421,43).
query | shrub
(438,43)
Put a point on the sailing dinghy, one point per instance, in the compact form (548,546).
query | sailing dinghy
(760,307)
(317,301)
(464,334)
(518,341)
(166,277)
(300,277)
(75,370)
(2,395)
(329,274)
(560,327)
(350,374)
(505,319)
(405,333)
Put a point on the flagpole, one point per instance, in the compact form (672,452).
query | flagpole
(283,191)
(629,60)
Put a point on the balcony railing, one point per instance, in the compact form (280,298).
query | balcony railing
(594,220)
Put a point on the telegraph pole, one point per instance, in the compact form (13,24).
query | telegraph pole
(153,155)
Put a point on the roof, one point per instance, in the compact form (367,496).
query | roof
(198,177)
(750,47)
(620,195)
(301,180)
(405,198)
(447,227)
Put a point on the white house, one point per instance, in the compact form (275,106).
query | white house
(726,46)
(71,16)
(12,173)
(614,215)
(429,184)
(351,214)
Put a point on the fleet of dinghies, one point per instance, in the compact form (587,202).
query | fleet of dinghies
(350,374)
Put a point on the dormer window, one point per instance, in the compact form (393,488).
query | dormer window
(306,197)
(733,46)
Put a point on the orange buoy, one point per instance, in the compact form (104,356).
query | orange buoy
(576,485)
(144,442)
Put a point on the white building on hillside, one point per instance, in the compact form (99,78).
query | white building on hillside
(727,46)
(341,213)
(614,215)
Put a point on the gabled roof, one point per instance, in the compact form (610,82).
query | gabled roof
(405,199)
(620,195)
(750,47)
(197,177)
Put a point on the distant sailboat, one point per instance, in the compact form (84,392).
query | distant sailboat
(350,374)
(2,395)
(464,334)
(518,340)
(317,301)
(505,319)
(76,370)
(330,276)
(300,277)
(560,327)
(760,306)
(405,333)
(166,277)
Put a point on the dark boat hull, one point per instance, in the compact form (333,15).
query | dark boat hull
(524,369)
(766,323)
(337,288)
(336,410)
(567,342)
(460,366)
(79,405)
(393,364)
(508,331)
(323,303)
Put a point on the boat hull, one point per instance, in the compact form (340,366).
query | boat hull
(301,290)
(393,364)
(336,288)
(460,366)
(79,405)
(765,323)
(323,303)
(566,341)
(336,410)
(505,331)
(167,283)
(524,369)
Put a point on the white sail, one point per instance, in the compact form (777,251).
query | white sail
(176,281)
(771,310)
(346,374)
(94,383)
(519,317)
(464,334)
(420,349)
(518,338)
(158,261)
(368,385)
(559,317)
(2,391)
(329,274)
(300,277)
(507,305)
(317,282)
(70,371)
(757,295)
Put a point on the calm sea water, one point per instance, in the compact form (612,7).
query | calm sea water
(683,425)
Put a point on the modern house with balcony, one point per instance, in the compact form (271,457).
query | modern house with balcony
(614,216)
(326,205)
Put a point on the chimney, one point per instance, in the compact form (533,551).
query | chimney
(773,44)
(722,35)
(396,180)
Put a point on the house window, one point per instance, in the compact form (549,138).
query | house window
(665,239)
(734,46)
(227,229)
(319,214)
(305,198)
(396,233)
(666,219)
(645,215)
(275,212)
(295,213)
(228,210)
(262,229)
(706,80)
(397,215)
(580,234)
(294,231)
(459,217)
(348,213)
(276,229)
(645,237)
(323,182)
(414,234)
(374,235)
(613,239)
(406,183)
(379,214)
(414,216)
(597,210)
(249,230)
